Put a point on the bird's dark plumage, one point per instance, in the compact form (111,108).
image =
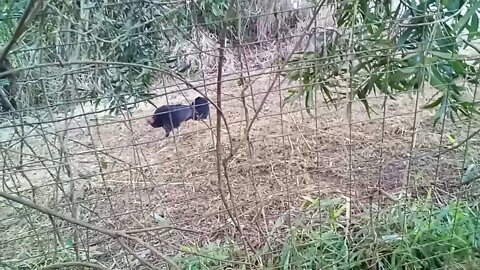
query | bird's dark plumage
(10,88)
(169,117)
(201,108)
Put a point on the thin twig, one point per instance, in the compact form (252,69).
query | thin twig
(459,144)
(149,229)
(145,262)
(471,45)
(386,194)
(74,264)
(272,85)
(219,162)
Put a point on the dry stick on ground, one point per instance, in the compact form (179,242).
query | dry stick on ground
(115,234)
(141,259)
(75,264)
(5,100)
(194,253)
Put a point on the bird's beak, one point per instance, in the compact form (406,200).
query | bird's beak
(150,120)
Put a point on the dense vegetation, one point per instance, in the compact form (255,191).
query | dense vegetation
(401,48)
(419,236)
(113,52)
(144,36)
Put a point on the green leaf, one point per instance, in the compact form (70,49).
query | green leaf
(459,67)
(68,243)
(433,104)
(445,39)
(328,94)
(104,164)
(441,111)
(404,37)
(447,56)
(362,95)
(355,69)
(294,76)
(381,30)
(291,97)
(473,27)
(436,79)
(458,28)
(401,74)
(363,4)
(451,5)
(309,100)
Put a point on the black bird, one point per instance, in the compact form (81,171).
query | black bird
(10,88)
(201,108)
(170,117)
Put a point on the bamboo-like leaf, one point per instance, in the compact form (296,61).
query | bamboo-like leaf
(404,37)
(327,94)
(309,100)
(473,27)
(459,67)
(433,104)
(441,111)
(436,79)
(461,24)
(447,56)
(362,95)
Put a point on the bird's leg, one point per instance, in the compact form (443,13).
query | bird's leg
(167,132)
(177,133)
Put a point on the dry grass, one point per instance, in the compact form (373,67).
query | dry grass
(143,179)
(124,175)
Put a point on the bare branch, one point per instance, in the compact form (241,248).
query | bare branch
(112,233)
(74,264)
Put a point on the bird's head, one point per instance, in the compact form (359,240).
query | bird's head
(151,121)
(200,100)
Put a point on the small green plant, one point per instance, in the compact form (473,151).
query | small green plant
(211,256)
(420,236)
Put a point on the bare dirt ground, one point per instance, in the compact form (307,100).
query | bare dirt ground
(126,175)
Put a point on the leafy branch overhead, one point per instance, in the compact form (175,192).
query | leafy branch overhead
(149,34)
(397,50)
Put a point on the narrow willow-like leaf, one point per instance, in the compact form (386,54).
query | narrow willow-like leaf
(475,6)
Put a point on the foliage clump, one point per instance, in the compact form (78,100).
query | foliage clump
(392,50)
(421,235)
(119,47)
